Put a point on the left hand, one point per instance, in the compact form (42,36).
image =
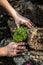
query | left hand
(22,20)
(14,49)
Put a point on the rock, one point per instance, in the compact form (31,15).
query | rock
(35,38)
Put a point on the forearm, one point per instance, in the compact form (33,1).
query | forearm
(2,51)
(8,7)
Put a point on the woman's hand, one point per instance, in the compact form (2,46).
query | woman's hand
(22,20)
(13,49)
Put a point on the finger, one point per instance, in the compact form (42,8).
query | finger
(17,24)
(21,44)
(14,54)
(29,22)
(28,25)
(15,46)
(21,48)
(20,51)
(32,24)
(17,55)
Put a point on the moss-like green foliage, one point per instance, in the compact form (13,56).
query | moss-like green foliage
(20,34)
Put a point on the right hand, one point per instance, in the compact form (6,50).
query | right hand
(13,49)
(22,20)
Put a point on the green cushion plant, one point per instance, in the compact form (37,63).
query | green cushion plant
(20,34)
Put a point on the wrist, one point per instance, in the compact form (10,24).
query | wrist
(14,14)
(3,51)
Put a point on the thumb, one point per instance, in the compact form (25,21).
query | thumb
(17,25)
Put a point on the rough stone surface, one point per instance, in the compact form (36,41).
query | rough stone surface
(35,38)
